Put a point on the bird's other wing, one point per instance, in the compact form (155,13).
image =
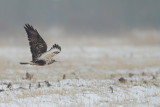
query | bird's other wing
(37,44)
(55,49)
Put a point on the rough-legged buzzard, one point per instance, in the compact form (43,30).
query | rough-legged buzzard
(38,47)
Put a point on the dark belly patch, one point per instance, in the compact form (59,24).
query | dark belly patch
(40,62)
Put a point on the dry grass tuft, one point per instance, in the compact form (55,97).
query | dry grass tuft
(131,74)
(64,76)
(28,76)
(1,90)
(39,85)
(9,85)
(111,89)
(122,80)
(47,83)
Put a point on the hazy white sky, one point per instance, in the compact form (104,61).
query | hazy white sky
(80,15)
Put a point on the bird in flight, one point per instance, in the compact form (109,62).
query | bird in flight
(38,47)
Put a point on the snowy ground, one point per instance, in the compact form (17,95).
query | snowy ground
(93,72)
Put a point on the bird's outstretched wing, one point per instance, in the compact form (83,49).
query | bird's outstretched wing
(37,44)
(55,49)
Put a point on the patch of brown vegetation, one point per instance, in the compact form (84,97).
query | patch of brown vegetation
(122,80)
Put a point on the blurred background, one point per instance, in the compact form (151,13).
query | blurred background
(99,18)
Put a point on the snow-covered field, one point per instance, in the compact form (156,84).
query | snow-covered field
(89,72)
